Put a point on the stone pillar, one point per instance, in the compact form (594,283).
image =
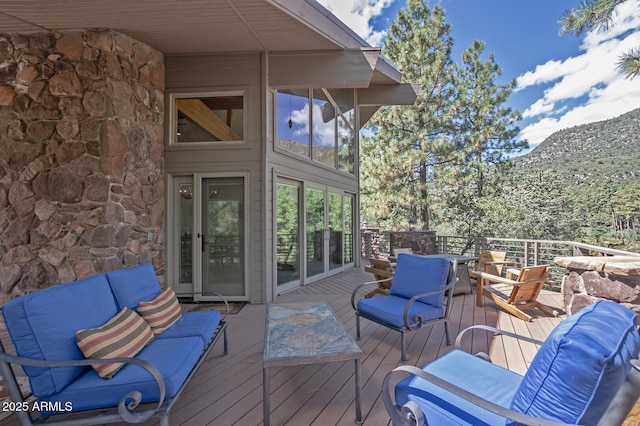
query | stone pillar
(370,243)
(421,242)
(590,278)
(81,169)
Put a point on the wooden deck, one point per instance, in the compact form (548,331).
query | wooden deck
(228,389)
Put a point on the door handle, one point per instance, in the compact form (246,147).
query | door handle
(204,242)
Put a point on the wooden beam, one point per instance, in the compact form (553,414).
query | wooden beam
(401,94)
(197,111)
(330,70)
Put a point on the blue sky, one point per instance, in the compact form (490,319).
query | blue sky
(563,81)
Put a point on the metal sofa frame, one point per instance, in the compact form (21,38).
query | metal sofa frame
(126,409)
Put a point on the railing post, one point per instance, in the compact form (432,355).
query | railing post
(526,254)
(536,253)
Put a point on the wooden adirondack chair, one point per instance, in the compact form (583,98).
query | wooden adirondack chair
(491,261)
(382,270)
(513,294)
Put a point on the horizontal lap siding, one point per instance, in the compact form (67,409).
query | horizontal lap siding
(219,73)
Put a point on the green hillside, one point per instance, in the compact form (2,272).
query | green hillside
(594,172)
(590,153)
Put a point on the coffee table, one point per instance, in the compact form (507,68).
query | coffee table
(305,333)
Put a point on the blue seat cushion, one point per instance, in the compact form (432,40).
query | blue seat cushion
(198,323)
(390,310)
(133,285)
(417,274)
(43,325)
(468,372)
(174,358)
(577,371)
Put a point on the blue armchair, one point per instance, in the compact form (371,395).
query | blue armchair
(586,373)
(421,295)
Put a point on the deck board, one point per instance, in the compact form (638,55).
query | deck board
(228,389)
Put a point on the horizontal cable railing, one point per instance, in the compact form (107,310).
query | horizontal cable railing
(529,252)
(522,251)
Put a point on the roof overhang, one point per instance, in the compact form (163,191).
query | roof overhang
(343,69)
(296,34)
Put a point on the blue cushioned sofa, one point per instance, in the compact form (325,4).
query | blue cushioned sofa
(585,373)
(43,326)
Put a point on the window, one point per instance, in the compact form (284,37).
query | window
(318,124)
(207,118)
(324,129)
(292,121)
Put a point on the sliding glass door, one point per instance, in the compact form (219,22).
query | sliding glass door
(288,225)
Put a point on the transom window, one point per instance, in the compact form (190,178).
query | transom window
(318,124)
(208,118)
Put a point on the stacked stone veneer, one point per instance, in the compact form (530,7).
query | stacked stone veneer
(81,157)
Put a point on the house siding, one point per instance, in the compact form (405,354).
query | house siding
(221,73)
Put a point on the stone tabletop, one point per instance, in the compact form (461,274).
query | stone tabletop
(305,330)
(621,265)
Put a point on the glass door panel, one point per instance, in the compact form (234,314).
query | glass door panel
(315,231)
(288,235)
(335,230)
(223,236)
(185,223)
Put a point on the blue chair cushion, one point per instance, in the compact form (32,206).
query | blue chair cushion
(199,323)
(43,326)
(578,369)
(133,285)
(174,358)
(417,274)
(390,310)
(468,372)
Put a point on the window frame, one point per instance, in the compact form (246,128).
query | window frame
(172,127)
(338,115)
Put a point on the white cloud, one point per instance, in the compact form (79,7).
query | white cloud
(324,133)
(591,75)
(357,14)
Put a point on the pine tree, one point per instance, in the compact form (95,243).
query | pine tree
(486,133)
(398,161)
(426,155)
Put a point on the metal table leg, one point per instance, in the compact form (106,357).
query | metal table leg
(265,396)
(358,408)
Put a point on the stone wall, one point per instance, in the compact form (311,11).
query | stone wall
(590,278)
(421,242)
(81,163)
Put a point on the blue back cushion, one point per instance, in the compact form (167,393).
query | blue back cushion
(417,274)
(578,369)
(43,326)
(133,285)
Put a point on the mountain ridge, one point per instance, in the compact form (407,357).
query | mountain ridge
(588,152)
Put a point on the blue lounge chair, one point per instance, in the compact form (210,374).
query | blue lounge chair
(586,373)
(421,295)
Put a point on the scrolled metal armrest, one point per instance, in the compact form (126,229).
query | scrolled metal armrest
(407,308)
(127,404)
(359,286)
(411,414)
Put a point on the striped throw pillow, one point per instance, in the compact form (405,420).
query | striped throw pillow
(161,312)
(123,336)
